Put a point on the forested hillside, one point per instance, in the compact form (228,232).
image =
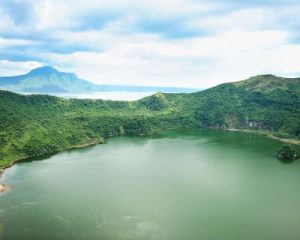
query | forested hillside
(40,124)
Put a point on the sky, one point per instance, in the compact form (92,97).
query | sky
(180,43)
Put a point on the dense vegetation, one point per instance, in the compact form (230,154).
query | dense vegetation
(287,154)
(39,124)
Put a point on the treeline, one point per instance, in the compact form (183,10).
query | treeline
(40,124)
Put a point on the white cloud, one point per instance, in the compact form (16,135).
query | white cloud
(244,19)
(4,43)
(12,68)
(52,15)
(6,22)
(199,62)
(237,40)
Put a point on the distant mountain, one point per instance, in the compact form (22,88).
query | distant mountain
(49,80)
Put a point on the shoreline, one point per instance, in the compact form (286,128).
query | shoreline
(2,169)
(4,187)
(266,134)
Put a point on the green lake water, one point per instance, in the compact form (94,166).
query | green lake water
(187,185)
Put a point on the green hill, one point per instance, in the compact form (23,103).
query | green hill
(40,124)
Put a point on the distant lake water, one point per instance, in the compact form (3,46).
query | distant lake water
(106,95)
(128,96)
(176,185)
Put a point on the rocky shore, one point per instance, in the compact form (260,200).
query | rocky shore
(3,187)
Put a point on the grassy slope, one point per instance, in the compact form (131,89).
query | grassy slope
(40,124)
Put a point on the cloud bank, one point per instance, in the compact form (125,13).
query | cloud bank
(168,42)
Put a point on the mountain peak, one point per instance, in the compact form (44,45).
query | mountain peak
(45,70)
(262,77)
(266,83)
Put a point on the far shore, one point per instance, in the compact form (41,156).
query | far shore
(269,135)
(83,145)
(4,187)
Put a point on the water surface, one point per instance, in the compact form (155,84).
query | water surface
(202,184)
(105,95)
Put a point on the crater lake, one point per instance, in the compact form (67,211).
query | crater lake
(184,184)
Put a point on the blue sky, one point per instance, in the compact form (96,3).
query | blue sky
(152,42)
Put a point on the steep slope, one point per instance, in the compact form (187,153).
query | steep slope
(264,102)
(39,124)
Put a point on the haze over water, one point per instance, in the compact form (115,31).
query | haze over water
(196,184)
(106,95)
